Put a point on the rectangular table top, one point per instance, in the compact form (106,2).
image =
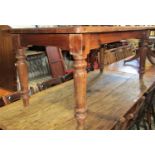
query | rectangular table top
(109,96)
(81,29)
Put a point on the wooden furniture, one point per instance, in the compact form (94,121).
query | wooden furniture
(151,54)
(11,98)
(140,120)
(146,111)
(39,70)
(49,83)
(8,78)
(57,65)
(109,102)
(4,92)
(117,54)
(7,97)
(149,110)
(56,61)
(79,40)
(133,116)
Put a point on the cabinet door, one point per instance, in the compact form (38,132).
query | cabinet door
(8,78)
(56,61)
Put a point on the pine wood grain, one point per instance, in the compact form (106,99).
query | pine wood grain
(82,29)
(110,96)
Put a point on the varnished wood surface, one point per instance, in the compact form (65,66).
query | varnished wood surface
(4,92)
(82,29)
(109,96)
(79,40)
(8,78)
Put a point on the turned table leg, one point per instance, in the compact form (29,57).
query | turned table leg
(80,82)
(136,56)
(101,56)
(143,53)
(22,70)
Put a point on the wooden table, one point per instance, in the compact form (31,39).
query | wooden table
(79,40)
(110,96)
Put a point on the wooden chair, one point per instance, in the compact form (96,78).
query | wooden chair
(133,117)
(109,57)
(11,98)
(150,96)
(151,52)
(49,83)
(56,63)
(67,77)
(147,111)
(92,60)
(140,120)
(137,118)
